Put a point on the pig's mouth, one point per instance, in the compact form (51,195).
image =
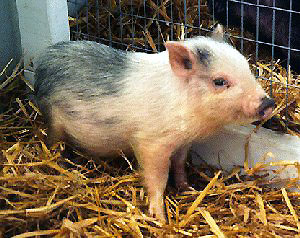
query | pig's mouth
(266,108)
(266,114)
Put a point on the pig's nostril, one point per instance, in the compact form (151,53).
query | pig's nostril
(266,103)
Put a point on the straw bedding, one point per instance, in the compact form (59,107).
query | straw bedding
(59,192)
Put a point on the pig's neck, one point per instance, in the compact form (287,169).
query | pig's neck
(203,119)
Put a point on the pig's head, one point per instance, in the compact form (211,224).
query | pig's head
(218,80)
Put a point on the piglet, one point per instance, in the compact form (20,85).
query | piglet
(106,100)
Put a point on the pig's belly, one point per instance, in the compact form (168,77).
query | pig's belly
(98,140)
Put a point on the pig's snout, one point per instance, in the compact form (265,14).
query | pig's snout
(266,107)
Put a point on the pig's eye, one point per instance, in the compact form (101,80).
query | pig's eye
(220,82)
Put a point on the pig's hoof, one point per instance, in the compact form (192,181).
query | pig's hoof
(184,187)
(157,213)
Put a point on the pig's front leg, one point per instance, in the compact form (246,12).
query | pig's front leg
(178,160)
(155,162)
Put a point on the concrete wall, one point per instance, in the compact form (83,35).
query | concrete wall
(10,41)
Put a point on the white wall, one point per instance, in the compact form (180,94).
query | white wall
(41,23)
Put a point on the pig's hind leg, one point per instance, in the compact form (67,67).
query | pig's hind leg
(55,130)
(54,134)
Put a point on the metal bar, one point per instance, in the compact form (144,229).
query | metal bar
(121,21)
(213,10)
(145,24)
(272,45)
(97,18)
(132,24)
(87,20)
(199,15)
(109,23)
(290,34)
(288,60)
(185,20)
(273,32)
(172,21)
(257,31)
(77,27)
(242,26)
(227,15)
(158,29)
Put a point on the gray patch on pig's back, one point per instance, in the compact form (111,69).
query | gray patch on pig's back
(84,70)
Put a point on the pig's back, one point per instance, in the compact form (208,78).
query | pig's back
(85,69)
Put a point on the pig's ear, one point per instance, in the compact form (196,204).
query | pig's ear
(182,59)
(218,33)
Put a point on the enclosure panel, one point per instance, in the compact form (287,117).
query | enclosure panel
(10,42)
(42,23)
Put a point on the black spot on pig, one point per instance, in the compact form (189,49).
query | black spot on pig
(187,63)
(282,19)
(204,57)
(88,69)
